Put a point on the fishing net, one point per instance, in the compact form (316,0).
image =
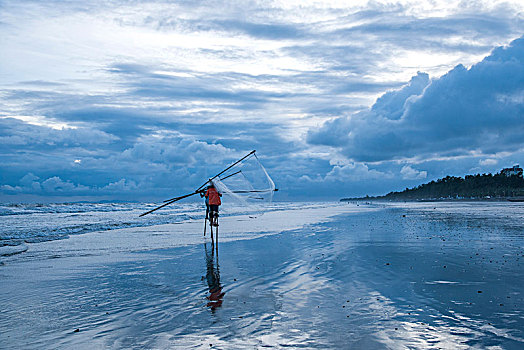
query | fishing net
(246,185)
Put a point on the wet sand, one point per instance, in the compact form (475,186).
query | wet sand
(409,276)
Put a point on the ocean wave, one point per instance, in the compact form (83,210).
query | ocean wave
(33,223)
(55,208)
(36,222)
(12,250)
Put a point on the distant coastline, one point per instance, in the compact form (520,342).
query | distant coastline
(508,184)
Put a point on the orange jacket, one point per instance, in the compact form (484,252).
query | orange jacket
(213,196)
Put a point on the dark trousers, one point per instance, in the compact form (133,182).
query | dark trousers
(213,208)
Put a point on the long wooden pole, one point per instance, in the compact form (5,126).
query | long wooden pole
(170,202)
(255,191)
(205,219)
(227,177)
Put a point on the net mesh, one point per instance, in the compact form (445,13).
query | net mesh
(247,185)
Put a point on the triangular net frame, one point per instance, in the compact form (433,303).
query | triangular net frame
(246,185)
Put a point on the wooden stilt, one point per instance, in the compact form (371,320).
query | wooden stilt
(205,220)
(215,220)
(211,231)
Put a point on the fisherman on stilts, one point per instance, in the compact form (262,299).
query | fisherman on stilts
(213,195)
(213,198)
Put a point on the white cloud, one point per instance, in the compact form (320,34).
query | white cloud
(41,121)
(350,173)
(354,172)
(19,132)
(30,183)
(120,186)
(488,161)
(11,189)
(408,173)
(175,150)
(57,185)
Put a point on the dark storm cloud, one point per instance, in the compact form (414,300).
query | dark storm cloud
(478,109)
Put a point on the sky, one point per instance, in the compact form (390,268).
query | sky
(143,100)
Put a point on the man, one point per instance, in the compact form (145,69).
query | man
(213,196)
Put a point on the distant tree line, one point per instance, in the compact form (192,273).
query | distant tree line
(470,187)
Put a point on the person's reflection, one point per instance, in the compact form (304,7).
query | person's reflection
(213,278)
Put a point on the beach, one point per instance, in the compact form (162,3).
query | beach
(327,275)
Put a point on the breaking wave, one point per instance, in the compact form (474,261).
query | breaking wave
(31,223)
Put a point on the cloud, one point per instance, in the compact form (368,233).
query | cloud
(14,131)
(150,97)
(408,173)
(55,184)
(353,172)
(30,183)
(262,30)
(175,151)
(488,161)
(120,186)
(464,111)
(346,173)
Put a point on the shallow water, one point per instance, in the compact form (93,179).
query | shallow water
(417,276)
